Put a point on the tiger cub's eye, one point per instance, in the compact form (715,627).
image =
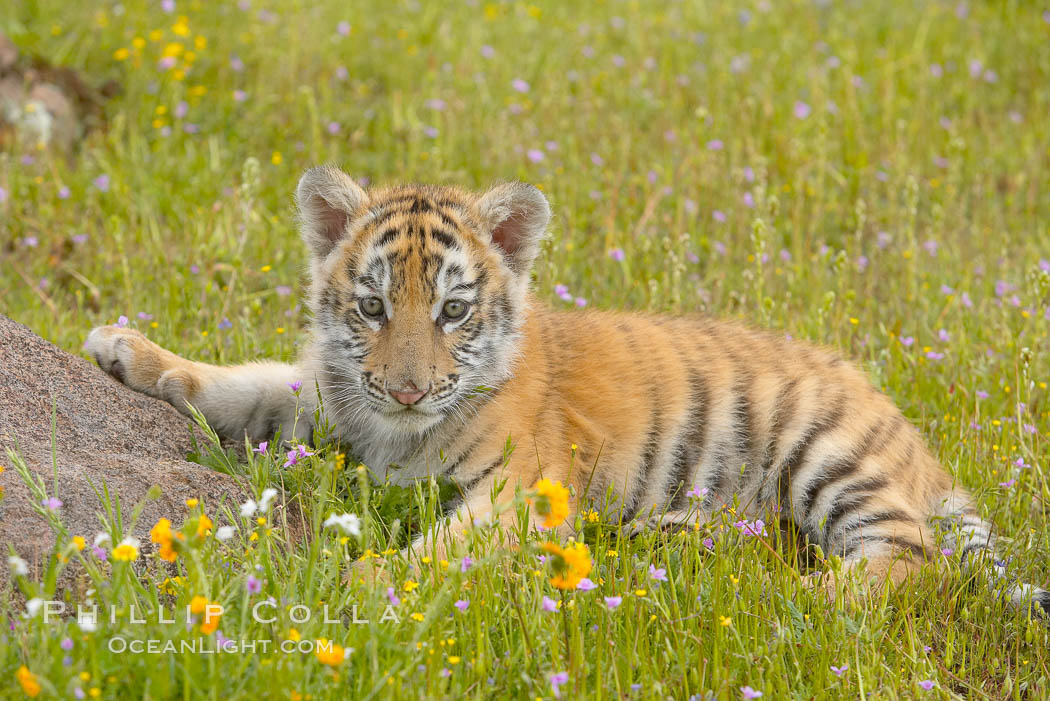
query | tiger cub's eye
(372,306)
(454,309)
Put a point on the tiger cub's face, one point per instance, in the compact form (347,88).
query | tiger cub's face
(418,293)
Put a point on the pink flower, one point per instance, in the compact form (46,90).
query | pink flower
(801,110)
(549,604)
(709,544)
(839,670)
(487,51)
(261,450)
(659,575)
(613,602)
(343,28)
(392,597)
(296,454)
(556,681)
(748,693)
(253,584)
(52,503)
(295,386)
(1008,483)
(715,145)
(586,585)
(519,85)
(462,604)
(466,563)
(102,183)
(535,155)
(617,254)
(927,684)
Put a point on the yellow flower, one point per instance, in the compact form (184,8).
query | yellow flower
(293,635)
(276,158)
(211,618)
(204,526)
(79,543)
(410,585)
(639,592)
(120,54)
(125,552)
(28,681)
(570,564)
(417,617)
(725,621)
(329,653)
(453,659)
(198,604)
(551,502)
(191,502)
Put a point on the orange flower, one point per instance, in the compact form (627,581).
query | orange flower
(551,502)
(204,526)
(329,653)
(161,533)
(28,682)
(570,564)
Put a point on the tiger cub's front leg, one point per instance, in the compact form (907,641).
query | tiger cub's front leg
(256,398)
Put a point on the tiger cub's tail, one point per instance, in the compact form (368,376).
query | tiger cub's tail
(967,534)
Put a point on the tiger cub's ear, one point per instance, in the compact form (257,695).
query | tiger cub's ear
(328,199)
(515,216)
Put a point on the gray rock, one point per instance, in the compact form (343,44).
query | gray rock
(105,433)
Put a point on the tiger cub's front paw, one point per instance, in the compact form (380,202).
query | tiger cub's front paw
(133,359)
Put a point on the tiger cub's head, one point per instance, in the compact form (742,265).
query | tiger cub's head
(418,292)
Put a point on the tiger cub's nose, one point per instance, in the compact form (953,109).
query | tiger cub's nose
(409,394)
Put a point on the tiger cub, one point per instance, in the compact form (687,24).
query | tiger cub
(430,353)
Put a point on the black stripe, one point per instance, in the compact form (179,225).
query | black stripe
(852,498)
(899,545)
(419,205)
(839,468)
(446,218)
(482,475)
(387,236)
(796,456)
(444,238)
(692,446)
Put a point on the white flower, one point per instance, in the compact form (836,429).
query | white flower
(18,566)
(347,523)
(267,497)
(248,508)
(224,533)
(33,607)
(101,538)
(133,542)
(87,624)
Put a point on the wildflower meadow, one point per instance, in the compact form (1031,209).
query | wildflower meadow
(873,176)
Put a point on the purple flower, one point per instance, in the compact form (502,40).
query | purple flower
(78,693)
(100,553)
(1008,483)
(1030,428)
(392,597)
(466,563)
(659,575)
(296,454)
(283,290)
(462,604)
(613,602)
(747,692)
(52,503)
(519,85)
(333,128)
(801,110)
(947,290)
(931,247)
(596,159)
(239,96)
(556,681)
(697,492)
(618,60)
(341,73)
(436,104)
(168,6)
(295,386)
(535,155)
(549,604)
(862,263)
(934,355)
(944,336)
(580,302)
(225,324)
(907,341)
(166,63)
(617,254)
(709,544)
(102,183)
(981,394)
(947,552)
(487,51)
(430,132)
(927,684)
(66,644)
(715,145)
(343,28)
(839,670)
(718,215)
(30,241)
(253,584)
(586,585)
(263,447)
(63,193)
(145,316)
(561,290)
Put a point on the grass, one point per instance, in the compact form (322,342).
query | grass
(872,177)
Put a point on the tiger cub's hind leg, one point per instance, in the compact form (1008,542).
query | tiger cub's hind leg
(255,398)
